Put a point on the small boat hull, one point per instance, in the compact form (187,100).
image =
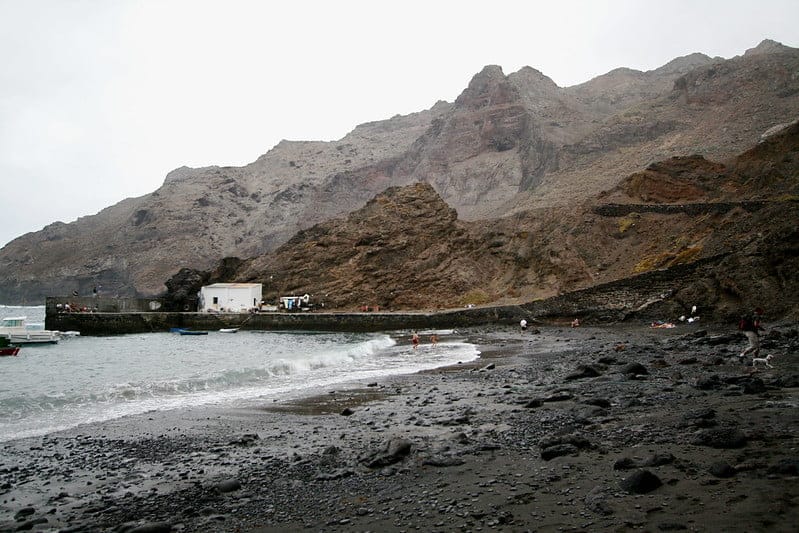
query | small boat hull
(34,337)
(184,331)
(18,331)
(9,350)
(228,330)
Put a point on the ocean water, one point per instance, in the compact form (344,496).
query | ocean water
(92,379)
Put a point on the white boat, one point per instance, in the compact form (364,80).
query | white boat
(228,330)
(17,331)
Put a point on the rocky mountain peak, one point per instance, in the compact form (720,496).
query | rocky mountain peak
(179,174)
(532,82)
(380,254)
(681,65)
(488,87)
(768,46)
(398,204)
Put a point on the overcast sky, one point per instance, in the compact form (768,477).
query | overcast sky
(99,99)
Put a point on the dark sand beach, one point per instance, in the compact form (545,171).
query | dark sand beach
(619,428)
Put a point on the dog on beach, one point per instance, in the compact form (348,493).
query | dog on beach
(765,360)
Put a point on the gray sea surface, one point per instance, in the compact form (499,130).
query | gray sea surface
(82,380)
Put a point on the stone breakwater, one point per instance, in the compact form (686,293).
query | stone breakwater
(645,296)
(119,323)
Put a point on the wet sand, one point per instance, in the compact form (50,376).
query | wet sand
(586,429)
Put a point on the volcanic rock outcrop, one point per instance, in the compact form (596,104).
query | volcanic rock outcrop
(407,249)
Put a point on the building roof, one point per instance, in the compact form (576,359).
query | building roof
(232,286)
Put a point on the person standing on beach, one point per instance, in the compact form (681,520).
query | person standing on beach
(523,324)
(433,339)
(750,325)
(415,340)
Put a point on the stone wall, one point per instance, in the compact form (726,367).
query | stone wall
(620,210)
(103,304)
(118,323)
(639,296)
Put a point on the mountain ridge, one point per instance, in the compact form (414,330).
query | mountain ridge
(507,144)
(407,249)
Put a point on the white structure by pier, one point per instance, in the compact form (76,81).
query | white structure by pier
(230,297)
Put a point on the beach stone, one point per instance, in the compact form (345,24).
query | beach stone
(590,411)
(582,372)
(30,524)
(753,385)
(394,451)
(248,439)
(722,469)
(658,459)
(702,418)
(461,438)
(152,527)
(461,420)
(347,412)
(147,527)
(558,397)
(785,467)
(533,404)
(625,463)
(640,482)
(699,414)
(723,438)
(229,485)
(716,340)
(339,473)
(599,402)
(558,450)
(708,382)
(575,440)
(25,511)
(87,526)
(636,369)
(672,526)
(399,447)
(443,461)
(596,502)
(790,381)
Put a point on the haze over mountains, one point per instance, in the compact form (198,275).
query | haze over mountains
(513,154)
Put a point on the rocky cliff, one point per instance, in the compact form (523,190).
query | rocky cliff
(509,144)
(407,249)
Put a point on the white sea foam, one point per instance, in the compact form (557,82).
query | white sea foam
(93,379)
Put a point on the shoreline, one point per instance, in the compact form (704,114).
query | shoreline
(455,448)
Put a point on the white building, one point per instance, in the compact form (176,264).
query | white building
(230,297)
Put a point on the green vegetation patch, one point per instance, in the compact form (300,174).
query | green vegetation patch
(668,259)
(475,297)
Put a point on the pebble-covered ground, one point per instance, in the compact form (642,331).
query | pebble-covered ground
(586,429)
